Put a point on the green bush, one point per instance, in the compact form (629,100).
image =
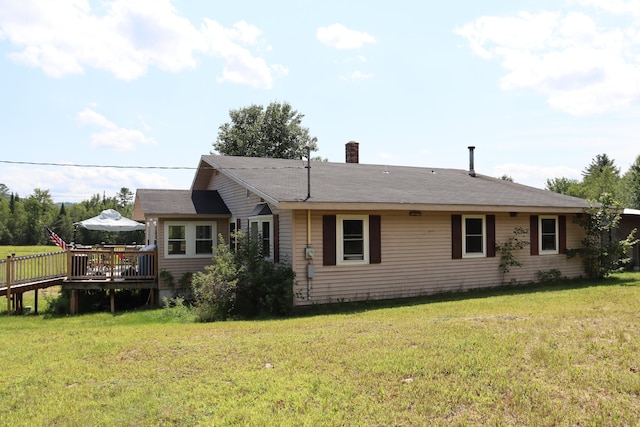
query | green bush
(549,276)
(603,254)
(214,290)
(243,284)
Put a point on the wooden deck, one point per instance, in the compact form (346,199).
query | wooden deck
(107,268)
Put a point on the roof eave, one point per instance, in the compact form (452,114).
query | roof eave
(242,183)
(363,206)
(164,215)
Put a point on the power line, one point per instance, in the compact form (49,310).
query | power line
(143,167)
(96,166)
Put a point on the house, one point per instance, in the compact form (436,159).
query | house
(356,231)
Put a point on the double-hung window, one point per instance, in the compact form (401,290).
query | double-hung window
(261,228)
(176,239)
(204,239)
(352,238)
(548,234)
(473,236)
(190,239)
(473,232)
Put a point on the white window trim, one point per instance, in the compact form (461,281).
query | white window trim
(464,237)
(340,239)
(259,219)
(190,237)
(547,251)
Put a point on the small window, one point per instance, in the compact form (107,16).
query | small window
(204,239)
(549,234)
(261,229)
(352,239)
(177,240)
(473,231)
(266,238)
(190,239)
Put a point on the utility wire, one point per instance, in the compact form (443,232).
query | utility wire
(140,167)
(95,166)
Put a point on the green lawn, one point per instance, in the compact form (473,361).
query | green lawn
(565,355)
(27,250)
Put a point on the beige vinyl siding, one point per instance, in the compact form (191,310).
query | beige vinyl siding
(416,259)
(179,266)
(240,202)
(286,235)
(544,262)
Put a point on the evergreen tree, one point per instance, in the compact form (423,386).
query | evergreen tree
(600,177)
(629,188)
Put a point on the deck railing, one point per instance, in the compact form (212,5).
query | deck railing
(104,264)
(111,264)
(31,268)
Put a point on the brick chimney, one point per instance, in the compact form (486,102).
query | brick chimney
(351,152)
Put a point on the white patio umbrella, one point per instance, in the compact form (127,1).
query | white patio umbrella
(110,220)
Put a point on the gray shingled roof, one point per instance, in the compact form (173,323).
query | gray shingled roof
(181,202)
(286,181)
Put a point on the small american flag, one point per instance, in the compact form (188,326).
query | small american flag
(56,239)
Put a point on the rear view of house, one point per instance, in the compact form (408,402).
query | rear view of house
(353,231)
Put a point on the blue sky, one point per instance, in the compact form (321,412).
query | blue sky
(539,87)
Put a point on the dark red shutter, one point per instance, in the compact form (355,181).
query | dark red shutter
(276,238)
(328,240)
(375,240)
(238,224)
(491,235)
(456,236)
(533,232)
(562,234)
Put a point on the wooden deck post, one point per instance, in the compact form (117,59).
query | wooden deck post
(73,309)
(35,302)
(112,297)
(9,285)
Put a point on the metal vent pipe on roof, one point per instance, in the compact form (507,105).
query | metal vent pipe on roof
(472,171)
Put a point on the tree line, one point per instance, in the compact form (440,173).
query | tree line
(602,176)
(22,220)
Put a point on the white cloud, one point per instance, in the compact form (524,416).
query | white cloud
(240,65)
(357,76)
(125,38)
(618,7)
(581,66)
(90,117)
(110,135)
(73,184)
(340,37)
(119,139)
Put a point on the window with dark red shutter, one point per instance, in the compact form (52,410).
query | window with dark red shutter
(375,243)
(533,233)
(456,236)
(491,235)
(328,240)
(562,234)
